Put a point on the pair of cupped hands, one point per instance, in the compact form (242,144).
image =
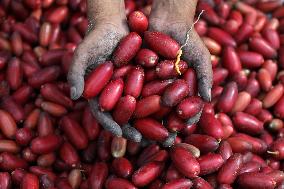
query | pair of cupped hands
(173,17)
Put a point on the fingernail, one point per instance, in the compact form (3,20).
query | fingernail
(209,95)
(205,93)
(73,93)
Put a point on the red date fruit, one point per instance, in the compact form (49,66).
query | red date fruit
(166,69)
(146,58)
(30,181)
(45,144)
(111,94)
(185,162)
(204,143)
(124,109)
(230,169)
(98,175)
(151,129)
(98,79)
(178,183)
(189,107)
(122,167)
(210,163)
(147,106)
(134,82)
(162,44)
(74,132)
(118,183)
(211,125)
(137,22)
(147,173)
(247,123)
(156,87)
(231,60)
(126,49)
(175,93)
(256,181)
(8,125)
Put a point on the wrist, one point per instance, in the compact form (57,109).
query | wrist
(174,10)
(107,11)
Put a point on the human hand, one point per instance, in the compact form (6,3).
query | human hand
(97,47)
(101,40)
(106,28)
(175,18)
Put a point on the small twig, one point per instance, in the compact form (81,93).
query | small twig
(186,42)
(191,27)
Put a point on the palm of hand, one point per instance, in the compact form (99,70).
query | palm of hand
(100,42)
(96,48)
(195,52)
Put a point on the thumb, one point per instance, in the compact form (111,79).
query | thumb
(77,72)
(104,118)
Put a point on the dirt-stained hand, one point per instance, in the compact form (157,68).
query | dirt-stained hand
(175,18)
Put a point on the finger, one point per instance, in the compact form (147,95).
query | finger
(198,56)
(194,119)
(170,140)
(77,72)
(146,142)
(131,133)
(104,118)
